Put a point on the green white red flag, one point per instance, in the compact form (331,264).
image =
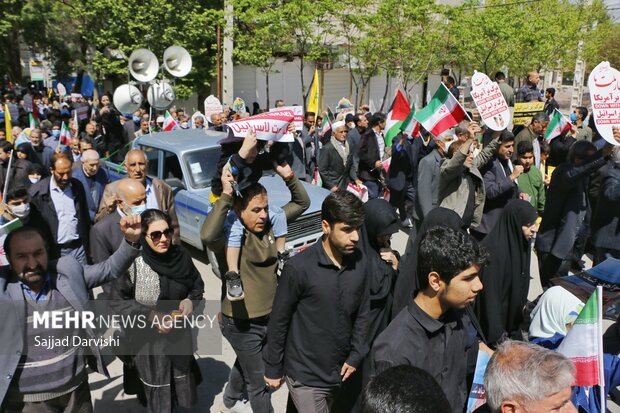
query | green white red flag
(65,134)
(584,343)
(326,124)
(396,117)
(411,126)
(441,113)
(169,122)
(557,125)
(31,120)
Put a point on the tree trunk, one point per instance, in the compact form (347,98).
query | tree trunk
(302,64)
(267,88)
(385,93)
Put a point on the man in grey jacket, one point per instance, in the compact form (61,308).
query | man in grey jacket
(461,187)
(38,370)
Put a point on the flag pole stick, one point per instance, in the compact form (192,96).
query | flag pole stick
(457,102)
(6,180)
(601,366)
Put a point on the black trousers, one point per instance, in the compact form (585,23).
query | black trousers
(550,266)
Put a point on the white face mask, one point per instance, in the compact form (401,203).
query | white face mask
(21,211)
(34,180)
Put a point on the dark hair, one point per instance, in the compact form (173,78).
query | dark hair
(524,147)
(343,206)
(16,232)
(241,202)
(6,146)
(551,91)
(376,119)
(545,147)
(455,146)
(506,136)
(540,117)
(580,150)
(447,252)
(500,76)
(579,109)
(37,168)
(451,80)
(58,156)
(151,215)
(308,114)
(404,389)
(17,193)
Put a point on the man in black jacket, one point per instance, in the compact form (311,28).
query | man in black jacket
(336,161)
(322,289)
(61,202)
(566,207)
(402,176)
(606,221)
(371,153)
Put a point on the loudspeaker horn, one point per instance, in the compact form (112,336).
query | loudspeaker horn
(127,98)
(143,65)
(177,61)
(161,95)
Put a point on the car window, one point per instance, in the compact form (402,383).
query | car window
(172,166)
(202,166)
(152,157)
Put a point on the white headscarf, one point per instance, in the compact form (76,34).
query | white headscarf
(556,308)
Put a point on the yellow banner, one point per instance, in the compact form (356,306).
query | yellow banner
(525,111)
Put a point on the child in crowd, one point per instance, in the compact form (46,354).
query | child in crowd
(545,169)
(531,180)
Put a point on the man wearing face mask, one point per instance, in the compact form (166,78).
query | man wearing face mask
(54,136)
(94,178)
(16,205)
(158,193)
(578,118)
(44,153)
(106,235)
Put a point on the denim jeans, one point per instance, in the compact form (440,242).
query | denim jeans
(247,376)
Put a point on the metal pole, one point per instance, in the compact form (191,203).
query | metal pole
(218,59)
(227,57)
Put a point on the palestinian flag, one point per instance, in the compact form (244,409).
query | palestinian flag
(557,125)
(584,343)
(169,122)
(65,135)
(411,126)
(441,113)
(396,117)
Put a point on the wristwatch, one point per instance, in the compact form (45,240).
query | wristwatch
(135,245)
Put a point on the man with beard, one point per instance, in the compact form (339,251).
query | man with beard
(43,152)
(34,377)
(324,288)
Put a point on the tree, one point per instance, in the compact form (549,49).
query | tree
(10,12)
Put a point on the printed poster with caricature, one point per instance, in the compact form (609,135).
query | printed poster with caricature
(604,85)
(490,102)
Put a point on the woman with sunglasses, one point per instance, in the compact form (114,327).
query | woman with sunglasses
(162,284)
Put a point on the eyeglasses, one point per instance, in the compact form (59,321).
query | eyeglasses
(155,236)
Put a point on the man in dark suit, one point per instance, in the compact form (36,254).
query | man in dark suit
(300,150)
(606,221)
(32,281)
(354,136)
(106,234)
(93,178)
(500,184)
(566,207)
(336,162)
(371,153)
(402,176)
(61,202)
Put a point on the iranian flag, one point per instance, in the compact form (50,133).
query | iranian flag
(396,117)
(33,124)
(584,344)
(557,125)
(326,124)
(441,113)
(411,126)
(65,134)
(169,122)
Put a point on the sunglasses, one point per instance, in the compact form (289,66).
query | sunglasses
(155,236)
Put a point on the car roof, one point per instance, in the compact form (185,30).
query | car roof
(183,139)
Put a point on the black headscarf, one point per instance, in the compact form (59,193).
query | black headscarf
(506,278)
(26,148)
(178,275)
(407,282)
(381,219)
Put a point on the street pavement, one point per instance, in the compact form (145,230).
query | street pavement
(108,396)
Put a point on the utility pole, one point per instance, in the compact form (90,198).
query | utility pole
(580,72)
(227,72)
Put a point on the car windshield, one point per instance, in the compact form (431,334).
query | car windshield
(202,166)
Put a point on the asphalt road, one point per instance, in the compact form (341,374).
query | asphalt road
(108,394)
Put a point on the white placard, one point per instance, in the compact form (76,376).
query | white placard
(490,102)
(604,85)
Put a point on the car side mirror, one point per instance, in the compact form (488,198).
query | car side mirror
(175,183)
